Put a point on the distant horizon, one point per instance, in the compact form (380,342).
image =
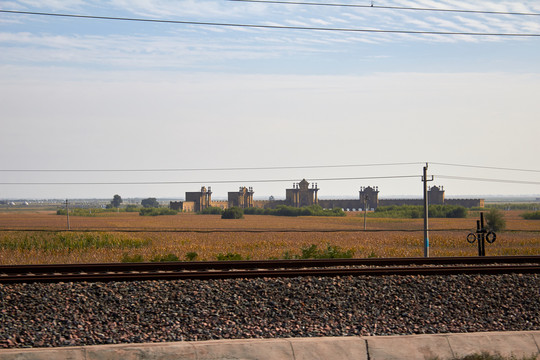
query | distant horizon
(531,197)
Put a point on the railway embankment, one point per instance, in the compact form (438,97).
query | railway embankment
(70,314)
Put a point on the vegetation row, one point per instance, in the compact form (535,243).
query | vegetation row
(309,252)
(69,241)
(417,211)
(281,210)
(535,215)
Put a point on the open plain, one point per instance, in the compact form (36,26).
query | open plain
(33,237)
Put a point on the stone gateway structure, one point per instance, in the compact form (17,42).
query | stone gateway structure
(242,198)
(302,194)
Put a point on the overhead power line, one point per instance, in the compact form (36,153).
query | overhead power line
(292,167)
(261,26)
(213,169)
(390,7)
(485,167)
(210,181)
(507,181)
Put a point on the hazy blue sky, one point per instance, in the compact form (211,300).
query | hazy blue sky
(83,94)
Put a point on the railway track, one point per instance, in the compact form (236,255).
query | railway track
(104,272)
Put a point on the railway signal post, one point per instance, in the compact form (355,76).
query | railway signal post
(482,235)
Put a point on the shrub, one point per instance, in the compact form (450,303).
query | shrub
(86,212)
(212,210)
(257,211)
(495,220)
(457,212)
(335,252)
(535,215)
(233,213)
(191,256)
(417,211)
(284,210)
(132,208)
(229,257)
(312,252)
(126,258)
(514,206)
(157,211)
(309,252)
(168,257)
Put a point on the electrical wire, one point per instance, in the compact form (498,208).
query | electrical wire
(389,7)
(209,182)
(213,169)
(413,32)
(485,167)
(507,181)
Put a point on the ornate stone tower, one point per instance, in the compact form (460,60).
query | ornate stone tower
(242,198)
(369,196)
(302,195)
(202,199)
(436,195)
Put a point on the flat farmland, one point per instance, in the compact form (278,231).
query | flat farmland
(41,236)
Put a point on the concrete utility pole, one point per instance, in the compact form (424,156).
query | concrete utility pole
(67,213)
(426,214)
(365,210)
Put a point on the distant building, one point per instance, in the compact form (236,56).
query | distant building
(195,201)
(242,198)
(302,194)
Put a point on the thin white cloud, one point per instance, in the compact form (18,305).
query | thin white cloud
(137,51)
(49,4)
(188,8)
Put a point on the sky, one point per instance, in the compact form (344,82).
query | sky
(155,109)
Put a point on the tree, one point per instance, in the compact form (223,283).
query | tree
(116,201)
(150,203)
(495,220)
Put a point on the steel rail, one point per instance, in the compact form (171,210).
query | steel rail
(249,231)
(217,230)
(272,268)
(260,264)
(224,274)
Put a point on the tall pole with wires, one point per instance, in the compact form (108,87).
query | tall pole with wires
(366,199)
(426,213)
(67,213)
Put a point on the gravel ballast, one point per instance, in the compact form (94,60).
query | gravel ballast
(74,314)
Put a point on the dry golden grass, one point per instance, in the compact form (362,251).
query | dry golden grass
(180,234)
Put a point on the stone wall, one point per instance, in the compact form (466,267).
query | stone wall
(400,202)
(468,203)
(342,204)
(184,206)
(222,204)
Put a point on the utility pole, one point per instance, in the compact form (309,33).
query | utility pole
(366,198)
(426,213)
(67,213)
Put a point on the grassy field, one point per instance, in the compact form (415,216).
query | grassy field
(33,237)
